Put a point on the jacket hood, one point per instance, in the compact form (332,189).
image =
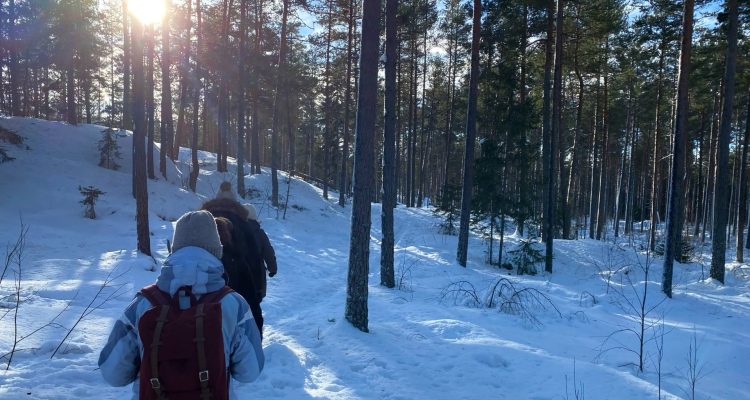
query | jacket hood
(191,266)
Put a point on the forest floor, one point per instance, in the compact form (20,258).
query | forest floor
(445,332)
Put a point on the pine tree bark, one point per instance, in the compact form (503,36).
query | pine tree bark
(601,215)
(127,106)
(347,105)
(15,98)
(471,124)
(241,76)
(139,138)
(327,106)
(656,160)
(150,106)
(595,167)
(255,92)
(718,230)
(678,152)
(621,175)
(569,208)
(449,122)
(280,73)
(166,129)
(387,278)
(181,132)
(195,167)
(556,132)
(70,99)
(359,249)
(742,205)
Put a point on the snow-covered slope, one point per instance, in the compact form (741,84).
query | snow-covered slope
(428,338)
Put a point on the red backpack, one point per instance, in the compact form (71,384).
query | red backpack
(183,350)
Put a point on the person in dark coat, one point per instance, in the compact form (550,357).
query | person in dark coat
(236,271)
(267,253)
(247,248)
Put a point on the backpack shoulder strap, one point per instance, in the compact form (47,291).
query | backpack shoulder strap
(155,295)
(215,297)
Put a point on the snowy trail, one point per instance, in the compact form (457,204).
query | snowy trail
(422,343)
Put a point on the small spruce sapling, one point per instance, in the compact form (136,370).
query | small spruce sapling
(526,256)
(109,150)
(448,208)
(90,195)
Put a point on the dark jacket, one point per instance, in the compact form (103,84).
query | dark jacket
(245,258)
(267,254)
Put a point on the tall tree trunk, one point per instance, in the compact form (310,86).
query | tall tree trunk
(150,106)
(166,130)
(327,93)
(255,91)
(621,176)
(70,90)
(569,198)
(630,198)
(601,215)
(678,152)
(389,146)
(742,206)
(595,167)
(718,230)
(184,86)
(471,125)
(15,97)
(555,132)
(347,96)
(449,123)
(413,118)
(195,170)
(699,189)
(656,169)
(280,73)
(127,106)
(710,173)
(241,76)
(139,137)
(422,133)
(359,248)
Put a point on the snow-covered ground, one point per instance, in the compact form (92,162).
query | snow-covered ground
(430,338)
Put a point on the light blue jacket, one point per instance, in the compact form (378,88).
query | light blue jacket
(189,266)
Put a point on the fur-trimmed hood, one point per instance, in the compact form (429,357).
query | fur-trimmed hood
(225,206)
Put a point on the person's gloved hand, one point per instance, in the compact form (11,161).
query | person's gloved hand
(271,274)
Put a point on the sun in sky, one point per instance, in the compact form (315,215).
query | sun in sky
(149,12)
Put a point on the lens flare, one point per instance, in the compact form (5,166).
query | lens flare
(149,12)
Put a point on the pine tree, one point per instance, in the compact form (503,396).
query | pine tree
(721,198)
(471,121)
(680,141)
(359,247)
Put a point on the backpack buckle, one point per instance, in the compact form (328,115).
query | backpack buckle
(203,376)
(155,384)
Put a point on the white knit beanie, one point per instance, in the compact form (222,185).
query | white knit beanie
(197,228)
(225,191)
(251,213)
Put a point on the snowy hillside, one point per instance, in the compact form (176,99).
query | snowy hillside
(544,336)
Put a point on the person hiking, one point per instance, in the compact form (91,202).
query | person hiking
(246,246)
(186,335)
(236,269)
(267,253)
